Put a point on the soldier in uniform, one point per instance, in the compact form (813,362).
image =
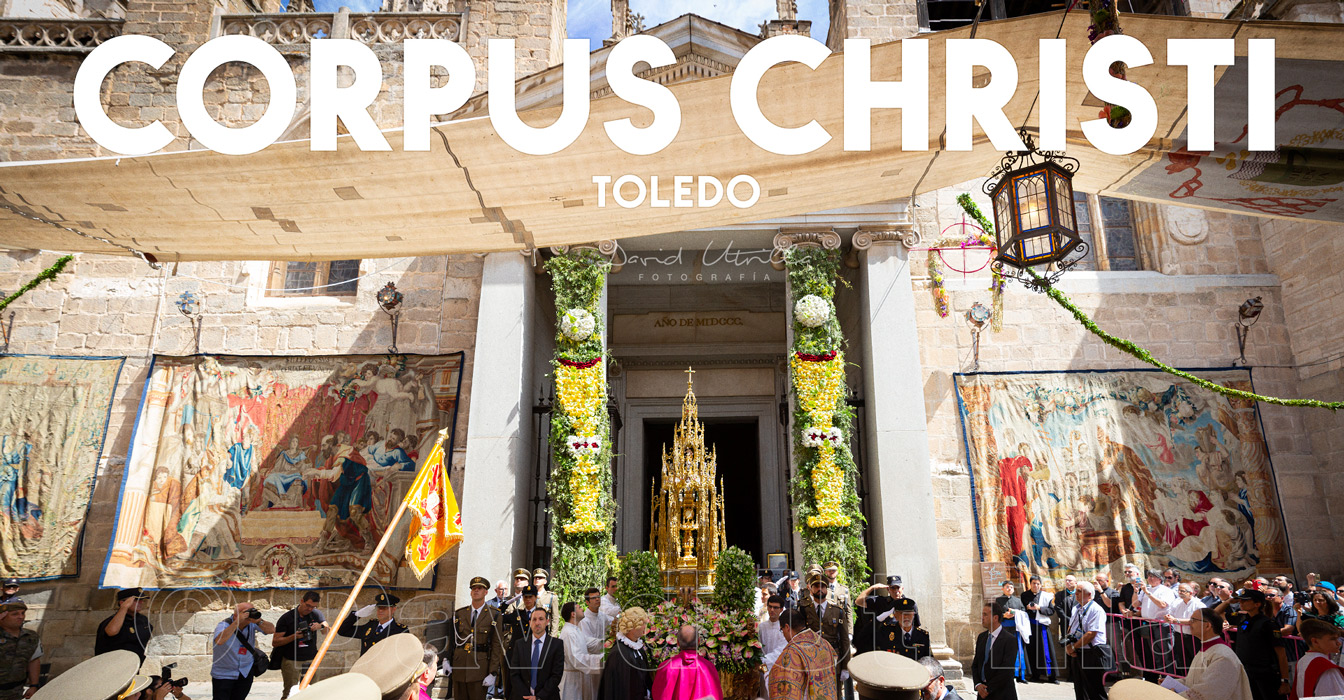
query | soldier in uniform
(106,676)
(828,619)
(516,617)
(547,600)
(521,580)
(477,655)
(383,625)
(899,634)
(20,652)
(839,593)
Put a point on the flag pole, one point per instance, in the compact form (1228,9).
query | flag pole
(364,575)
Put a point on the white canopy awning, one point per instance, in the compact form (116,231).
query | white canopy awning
(473,193)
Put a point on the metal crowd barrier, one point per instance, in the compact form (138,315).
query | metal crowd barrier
(1158,648)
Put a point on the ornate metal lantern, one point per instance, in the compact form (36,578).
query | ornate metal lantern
(1034,218)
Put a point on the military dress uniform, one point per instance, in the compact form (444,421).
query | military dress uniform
(476,648)
(372,632)
(832,623)
(891,637)
(549,601)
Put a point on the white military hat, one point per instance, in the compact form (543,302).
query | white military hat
(1136,689)
(347,686)
(881,675)
(103,677)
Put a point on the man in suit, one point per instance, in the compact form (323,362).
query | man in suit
(384,624)
(831,620)
(937,689)
(476,654)
(1065,602)
(518,615)
(536,661)
(995,658)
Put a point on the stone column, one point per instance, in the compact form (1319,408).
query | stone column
(905,540)
(499,425)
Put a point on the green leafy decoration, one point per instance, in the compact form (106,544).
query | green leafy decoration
(639,582)
(815,271)
(42,276)
(1132,348)
(735,588)
(580,560)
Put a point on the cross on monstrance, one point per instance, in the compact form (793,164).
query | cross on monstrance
(689,372)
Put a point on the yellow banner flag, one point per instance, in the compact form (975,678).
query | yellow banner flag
(436,524)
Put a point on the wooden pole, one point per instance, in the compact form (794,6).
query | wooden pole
(363,576)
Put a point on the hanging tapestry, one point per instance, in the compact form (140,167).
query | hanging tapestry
(276,472)
(53,420)
(1075,471)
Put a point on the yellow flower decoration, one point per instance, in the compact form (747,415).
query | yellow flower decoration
(818,386)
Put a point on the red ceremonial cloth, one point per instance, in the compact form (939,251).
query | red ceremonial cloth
(687,676)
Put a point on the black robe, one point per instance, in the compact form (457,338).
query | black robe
(628,674)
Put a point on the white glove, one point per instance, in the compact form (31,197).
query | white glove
(447,668)
(884,615)
(844,676)
(489,680)
(367,610)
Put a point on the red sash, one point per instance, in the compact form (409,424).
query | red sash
(1315,669)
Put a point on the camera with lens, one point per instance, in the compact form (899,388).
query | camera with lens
(1302,597)
(166,673)
(254,614)
(1071,638)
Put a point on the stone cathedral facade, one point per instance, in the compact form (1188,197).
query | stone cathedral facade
(1169,278)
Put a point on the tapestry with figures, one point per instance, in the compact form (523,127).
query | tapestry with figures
(276,472)
(1073,472)
(53,421)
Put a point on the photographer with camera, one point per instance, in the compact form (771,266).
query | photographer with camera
(295,641)
(164,685)
(235,653)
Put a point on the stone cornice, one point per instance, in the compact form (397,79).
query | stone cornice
(32,35)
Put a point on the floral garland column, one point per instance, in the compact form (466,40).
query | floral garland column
(825,484)
(582,508)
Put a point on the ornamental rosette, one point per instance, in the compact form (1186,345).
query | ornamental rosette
(577,324)
(812,311)
(584,445)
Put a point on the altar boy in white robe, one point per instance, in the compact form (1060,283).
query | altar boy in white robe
(594,622)
(1215,673)
(582,669)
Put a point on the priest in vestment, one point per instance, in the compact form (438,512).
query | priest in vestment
(581,667)
(687,676)
(629,671)
(1215,673)
(805,670)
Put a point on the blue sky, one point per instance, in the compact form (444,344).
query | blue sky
(591,19)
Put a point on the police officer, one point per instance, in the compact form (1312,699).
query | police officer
(1259,646)
(127,629)
(899,634)
(20,652)
(516,617)
(11,592)
(383,625)
(477,655)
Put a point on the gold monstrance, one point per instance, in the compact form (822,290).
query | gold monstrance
(687,518)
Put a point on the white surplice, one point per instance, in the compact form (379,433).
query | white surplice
(772,641)
(1217,674)
(595,626)
(582,669)
(609,607)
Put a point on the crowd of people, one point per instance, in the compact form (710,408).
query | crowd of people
(1265,640)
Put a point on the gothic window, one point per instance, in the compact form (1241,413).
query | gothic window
(336,278)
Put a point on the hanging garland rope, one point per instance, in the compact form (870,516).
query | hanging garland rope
(42,276)
(1132,348)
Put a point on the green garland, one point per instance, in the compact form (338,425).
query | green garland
(1133,348)
(815,271)
(42,276)
(581,559)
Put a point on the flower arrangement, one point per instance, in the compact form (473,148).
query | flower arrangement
(824,490)
(639,582)
(935,267)
(577,324)
(727,639)
(735,587)
(812,311)
(580,485)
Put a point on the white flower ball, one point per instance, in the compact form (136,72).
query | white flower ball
(577,324)
(812,311)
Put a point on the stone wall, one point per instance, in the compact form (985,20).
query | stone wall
(879,21)
(1185,319)
(110,306)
